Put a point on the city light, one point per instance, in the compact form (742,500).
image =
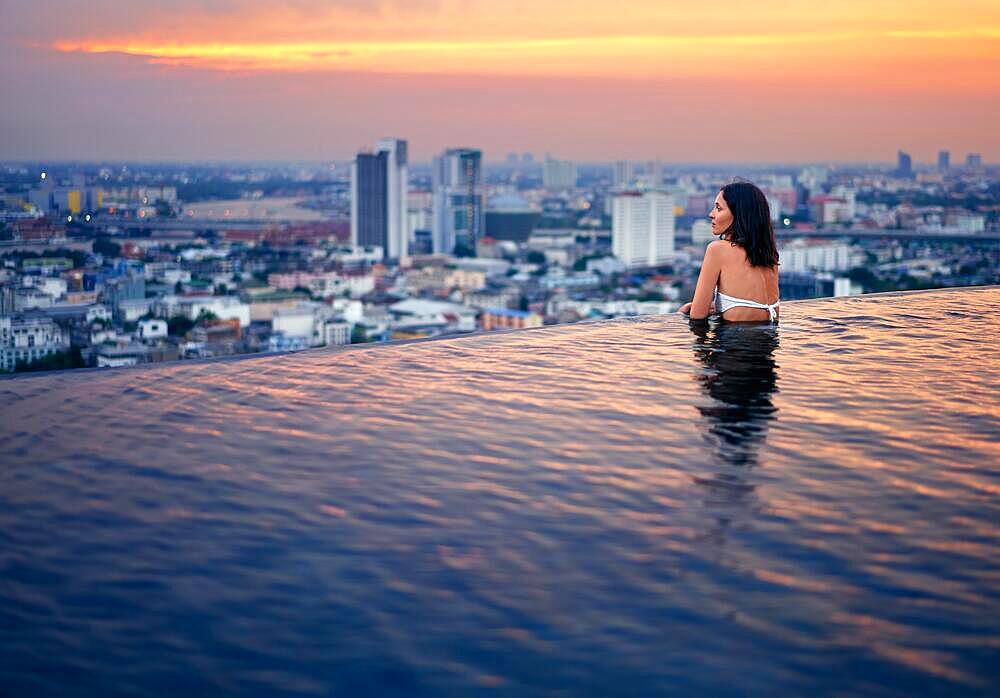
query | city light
(44,175)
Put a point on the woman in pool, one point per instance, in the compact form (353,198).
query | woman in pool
(739,275)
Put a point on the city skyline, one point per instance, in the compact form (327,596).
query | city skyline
(586,82)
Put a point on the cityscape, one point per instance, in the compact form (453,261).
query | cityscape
(112,264)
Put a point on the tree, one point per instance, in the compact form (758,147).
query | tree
(221,289)
(463,250)
(164,209)
(179,325)
(358,335)
(53,362)
(178,288)
(104,246)
(536,257)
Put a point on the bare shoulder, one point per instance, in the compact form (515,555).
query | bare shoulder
(717,247)
(721,249)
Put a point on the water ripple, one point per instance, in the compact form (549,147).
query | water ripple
(615,507)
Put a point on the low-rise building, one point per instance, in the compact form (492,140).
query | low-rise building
(504,318)
(152,329)
(24,339)
(804,254)
(437,316)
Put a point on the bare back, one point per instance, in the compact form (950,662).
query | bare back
(738,278)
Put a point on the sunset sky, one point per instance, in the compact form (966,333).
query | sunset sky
(731,80)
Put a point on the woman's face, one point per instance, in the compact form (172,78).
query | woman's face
(721,216)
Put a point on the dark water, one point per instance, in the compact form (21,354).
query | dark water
(619,508)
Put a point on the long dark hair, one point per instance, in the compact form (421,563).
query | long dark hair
(751,228)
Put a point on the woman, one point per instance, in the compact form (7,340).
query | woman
(739,275)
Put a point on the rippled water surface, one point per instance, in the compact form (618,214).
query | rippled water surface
(623,507)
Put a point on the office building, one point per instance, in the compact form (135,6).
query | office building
(459,211)
(558,174)
(624,174)
(379,199)
(642,228)
(974,161)
(944,160)
(904,165)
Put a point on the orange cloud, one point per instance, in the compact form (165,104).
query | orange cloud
(856,54)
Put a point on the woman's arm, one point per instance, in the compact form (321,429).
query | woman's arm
(708,278)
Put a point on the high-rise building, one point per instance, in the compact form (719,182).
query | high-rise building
(944,160)
(379,199)
(642,228)
(369,224)
(974,161)
(459,211)
(654,173)
(904,165)
(624,174)
(397,189)
(558,174)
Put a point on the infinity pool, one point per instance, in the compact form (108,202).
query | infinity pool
(624,507)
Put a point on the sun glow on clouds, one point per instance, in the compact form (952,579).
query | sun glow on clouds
(625,56)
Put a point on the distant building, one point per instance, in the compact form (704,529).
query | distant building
(222,307)
(624,174)
(701,232)
(830,209)
(974,161)
(904,165)
(379,214)
(459,211)
(558,174)
(510,218)
(152,329)
(808,255)
(425,317)
(503,318)
(944,160)
(24,339)
(642,228)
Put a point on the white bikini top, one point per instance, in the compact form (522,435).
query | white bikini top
(724,303)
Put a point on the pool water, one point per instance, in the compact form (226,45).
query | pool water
(632,506)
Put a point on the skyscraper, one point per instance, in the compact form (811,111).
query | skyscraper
(369,225)
(904,165)
(642,228)
(378,199)
(397,190)
(459,211)
(974,161)
(944,160)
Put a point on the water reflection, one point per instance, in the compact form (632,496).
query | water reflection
(738,375)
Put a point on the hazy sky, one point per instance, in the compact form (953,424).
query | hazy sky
(731,80)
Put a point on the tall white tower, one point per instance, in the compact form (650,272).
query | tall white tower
(642,228)
(397,190)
